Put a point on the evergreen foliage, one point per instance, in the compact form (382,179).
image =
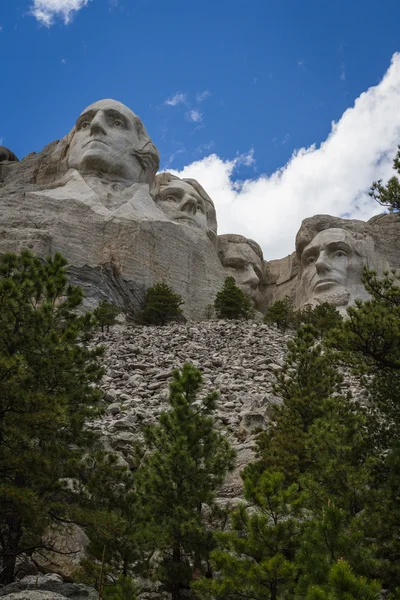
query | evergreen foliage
(124,589)
(161,305)
(185,463)
(388,195)
(282,314)
(232,303)
(255,560)
(105,313)
(343,584)
(305,381)
(323,317)
(47,374)
(115,529)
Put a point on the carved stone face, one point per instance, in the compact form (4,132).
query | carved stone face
(104,140)
(181,202)
(329,268)
(244,264)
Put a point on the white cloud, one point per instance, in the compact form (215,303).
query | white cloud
(45,11)
(194,116)
(201,96)
(343,72)
(1,141)
(333,178)
(178,98)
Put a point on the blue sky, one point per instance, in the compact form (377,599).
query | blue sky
(228,91)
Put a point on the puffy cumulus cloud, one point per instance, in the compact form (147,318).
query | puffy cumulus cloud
(333,178)
(46,11)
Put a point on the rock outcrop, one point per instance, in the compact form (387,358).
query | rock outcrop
(95,197)
(47,587)
(236,358)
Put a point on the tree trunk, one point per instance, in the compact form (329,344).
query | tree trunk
(10,550)
(176,559)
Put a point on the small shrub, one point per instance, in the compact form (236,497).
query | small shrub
(124,589)
(232,303)
(282,314)
(161,305)
(105,313)
(209,312)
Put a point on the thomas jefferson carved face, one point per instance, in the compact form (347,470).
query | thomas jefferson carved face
(106,136)
(243,262)
(181,202)
(330,267)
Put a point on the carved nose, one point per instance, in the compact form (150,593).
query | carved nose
(250,277)
(98,124)
(188,205)
(322,264)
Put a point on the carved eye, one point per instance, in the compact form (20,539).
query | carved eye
(169,199)
(310,260)
(200,207)
(118,123)
(85,125)
(340,253)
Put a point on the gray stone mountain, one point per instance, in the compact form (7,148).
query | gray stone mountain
(96,197)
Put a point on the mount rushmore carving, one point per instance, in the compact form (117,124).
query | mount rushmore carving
(96,197)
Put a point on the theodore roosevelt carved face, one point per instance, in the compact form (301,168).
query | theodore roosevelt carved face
(243,259)
(109,139)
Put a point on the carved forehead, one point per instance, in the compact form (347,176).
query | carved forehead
(178,184)
(235,250)
(327,237)
(109,104)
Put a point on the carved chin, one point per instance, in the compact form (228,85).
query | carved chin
(337,295)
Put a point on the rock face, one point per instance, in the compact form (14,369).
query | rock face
(95,197)
(47,587)
(329,259)
(237,358)
(87,196)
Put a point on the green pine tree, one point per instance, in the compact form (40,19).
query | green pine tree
(185,463)
(388,195)
(343,584)
(105,313)
(306,380)
(47,377)
(232,303)
(282,314)
(120,543)
(323,317)
(161,305)
(255,559)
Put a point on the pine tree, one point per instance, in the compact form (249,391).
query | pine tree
(323,317)
(232,303)
(388,195)
(343,584)
(47,374)
(368,342)
(185,463)
(282,314)
(255,560)
(119,540)
(161,305)
(105,313)
(306,380)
